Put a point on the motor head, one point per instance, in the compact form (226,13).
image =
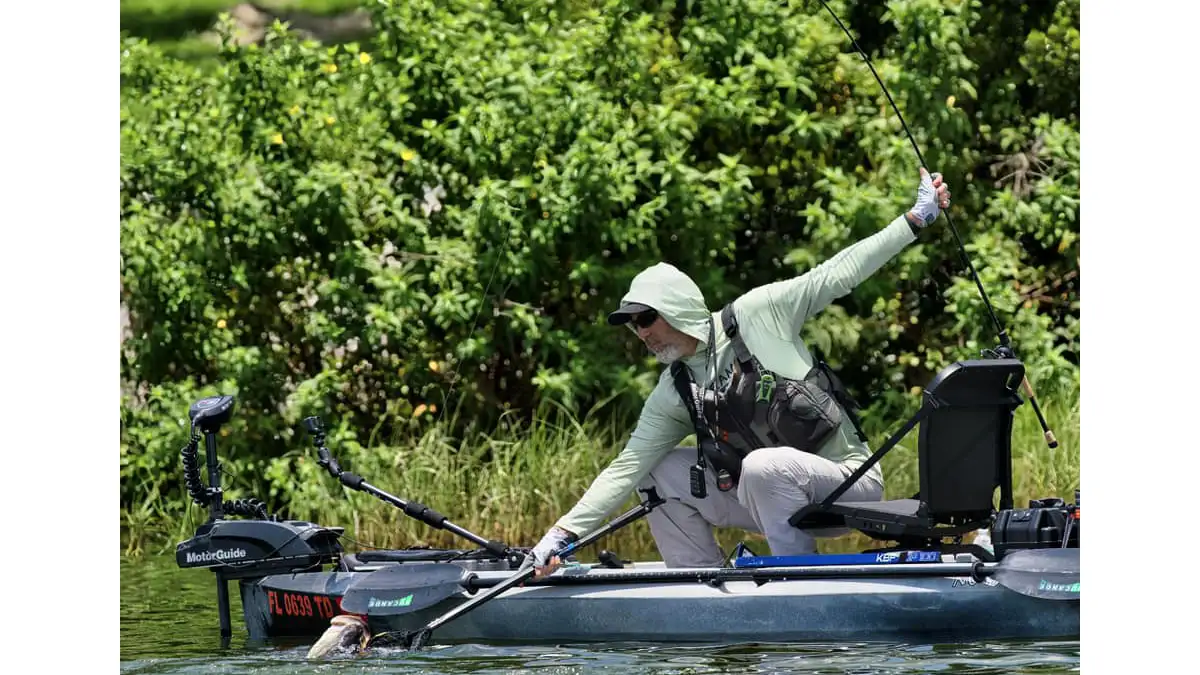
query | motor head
(210,413)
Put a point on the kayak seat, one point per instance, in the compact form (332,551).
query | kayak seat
(964,453)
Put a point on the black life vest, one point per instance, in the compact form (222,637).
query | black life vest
(761,409)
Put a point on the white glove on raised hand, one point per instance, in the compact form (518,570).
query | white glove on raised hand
(932,196)
(551,542)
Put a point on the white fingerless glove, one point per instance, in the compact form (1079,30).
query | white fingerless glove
(926,209)
(550,544)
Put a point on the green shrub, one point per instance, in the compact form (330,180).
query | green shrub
(443,215)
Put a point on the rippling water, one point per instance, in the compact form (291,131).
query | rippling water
(169,625)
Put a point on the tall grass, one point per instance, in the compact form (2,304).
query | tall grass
(512,482)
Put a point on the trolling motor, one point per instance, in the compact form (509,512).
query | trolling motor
(316,428)
(241,549)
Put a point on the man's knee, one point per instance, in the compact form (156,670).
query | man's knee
(770,464)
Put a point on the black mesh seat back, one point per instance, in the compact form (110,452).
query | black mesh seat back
(965,442)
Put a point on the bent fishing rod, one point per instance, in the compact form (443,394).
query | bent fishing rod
(1004,350)
(316,429)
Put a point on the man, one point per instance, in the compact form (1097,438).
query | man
(666,310)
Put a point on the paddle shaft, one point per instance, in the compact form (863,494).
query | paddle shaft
(974,570)
(1047,573)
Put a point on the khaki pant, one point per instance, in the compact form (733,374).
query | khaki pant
(775,483)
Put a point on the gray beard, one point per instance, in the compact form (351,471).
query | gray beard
(669,354)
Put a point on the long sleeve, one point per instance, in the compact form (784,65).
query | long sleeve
(662,425)
(791,302)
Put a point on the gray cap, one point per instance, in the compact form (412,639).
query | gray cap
(626,313)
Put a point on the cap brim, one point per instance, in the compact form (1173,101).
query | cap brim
(626,313)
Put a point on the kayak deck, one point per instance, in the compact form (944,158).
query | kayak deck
(933,608)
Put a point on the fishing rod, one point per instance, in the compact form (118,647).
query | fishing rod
(1004,349)
(316,428)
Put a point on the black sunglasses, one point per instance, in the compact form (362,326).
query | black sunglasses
(644,319)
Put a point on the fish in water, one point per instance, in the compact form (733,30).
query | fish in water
(345,633)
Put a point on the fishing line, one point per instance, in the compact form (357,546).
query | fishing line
(1005,349)
(361,545)
(483,301)
(475,322)
(962,249)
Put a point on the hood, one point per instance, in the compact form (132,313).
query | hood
(675,297)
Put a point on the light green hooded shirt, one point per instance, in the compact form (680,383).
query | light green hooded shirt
(769,319)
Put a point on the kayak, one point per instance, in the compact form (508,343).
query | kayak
(296,581)
(647,602)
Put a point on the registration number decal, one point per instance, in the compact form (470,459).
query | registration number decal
(283,603)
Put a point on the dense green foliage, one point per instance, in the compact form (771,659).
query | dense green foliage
(435,222)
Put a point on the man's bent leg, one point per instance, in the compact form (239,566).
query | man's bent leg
(683,526)
(777,482)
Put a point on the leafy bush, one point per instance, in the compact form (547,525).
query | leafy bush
(434,224)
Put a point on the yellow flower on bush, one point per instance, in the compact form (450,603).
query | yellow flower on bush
(407,155)
(364,58)
(294,110)
(330,68)
(420,410)
(221,323)
(277,139)
(433,365)
(950,101)
(329,120)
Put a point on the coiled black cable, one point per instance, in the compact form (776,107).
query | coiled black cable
(251,507)
(191,471)
(202,495)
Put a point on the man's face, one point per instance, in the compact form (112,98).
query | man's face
(666,343)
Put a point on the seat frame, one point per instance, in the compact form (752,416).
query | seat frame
(924,521)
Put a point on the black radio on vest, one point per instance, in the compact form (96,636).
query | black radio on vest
(759,409)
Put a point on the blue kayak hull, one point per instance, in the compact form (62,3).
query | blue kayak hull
(923,609)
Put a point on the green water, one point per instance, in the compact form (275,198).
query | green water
(169,625)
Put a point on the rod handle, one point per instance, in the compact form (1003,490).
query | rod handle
(1028,389)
